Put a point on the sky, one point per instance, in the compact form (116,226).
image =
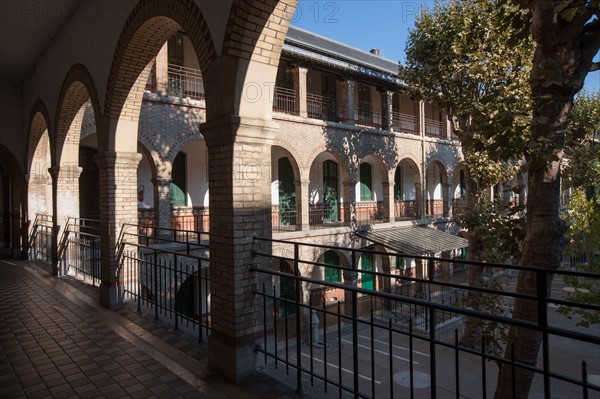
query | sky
(367,24)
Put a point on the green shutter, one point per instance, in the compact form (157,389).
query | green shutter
(330,192)
(366,182)
(287,193)
(398,184)
(178,187)
(332,274)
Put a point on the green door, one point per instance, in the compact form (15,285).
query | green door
(178,188)
(367,266)
(287,193)
(330,192)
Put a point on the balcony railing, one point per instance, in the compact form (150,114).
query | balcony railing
(382,342)
(167,277)
(369,212)
(435,128)
(190,218)
(367,117)
(323,216)
(405,123)
(79,249)
(40,238)
(404,210)
(284,100)
(283,220)
(320,107)
(185,82)
(434,208)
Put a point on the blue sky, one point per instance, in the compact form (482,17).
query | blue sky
(367,24)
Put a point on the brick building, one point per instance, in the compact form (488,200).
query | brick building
(215,116)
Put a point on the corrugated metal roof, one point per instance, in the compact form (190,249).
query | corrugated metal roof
(321,44)
(415,240)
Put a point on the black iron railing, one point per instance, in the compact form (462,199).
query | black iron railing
(355,343)
(79,249)
(168,276)
(40,238)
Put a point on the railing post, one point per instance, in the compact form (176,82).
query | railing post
(155,285)
(355,325)
(432,360)
(542,310)
(298,318)
(175,270)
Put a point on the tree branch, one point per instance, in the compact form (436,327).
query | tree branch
(592,26)
(595,67)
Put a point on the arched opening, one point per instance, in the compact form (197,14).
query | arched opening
(436,191)
(370,205)
(407,189)
(459,192)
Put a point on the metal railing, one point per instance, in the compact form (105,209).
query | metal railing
(370,212)
(190,218)
(434,208)
(404,210)
(185,82)
(321,216)
(167,277)
(79,249)
(40,238)
(284,100)
(358,345)
(405,123)
(284,220)
(321,107)
(435,128)
(367,117)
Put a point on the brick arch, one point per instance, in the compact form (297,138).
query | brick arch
(256,29)
(412,162)
(153,158)
(39,123)
(440,164)
(379,163)
(293,161)
(342,162)
(148,27)
(78,88)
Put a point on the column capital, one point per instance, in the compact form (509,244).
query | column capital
(110,159)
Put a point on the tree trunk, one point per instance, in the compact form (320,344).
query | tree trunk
(560,64)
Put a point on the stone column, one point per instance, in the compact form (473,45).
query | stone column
(54,171)
(349,201)
(162,70)
(420,200)
(302,204)
(386,109)
(446,198)
(347,101)
(162,201)
(388,202)
(301,89)
(118,204)
(240,209)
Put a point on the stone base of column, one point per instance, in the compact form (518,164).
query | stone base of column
(234,361)
(110,295)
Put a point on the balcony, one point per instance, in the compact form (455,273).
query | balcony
(284,220)
(284,101)
(185,82)
(406,210)
(369,212)
(405,123)
(323,216)
(320,107)
(435,128)
(370,118)
(434,208)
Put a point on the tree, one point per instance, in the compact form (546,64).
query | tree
(459,57)
(567,37)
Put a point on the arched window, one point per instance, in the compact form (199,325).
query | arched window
(178,178)
(287,192)
(366,182)
(399,184)
(330,191)
(332,274)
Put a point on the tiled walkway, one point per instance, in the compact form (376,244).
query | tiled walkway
(57,341)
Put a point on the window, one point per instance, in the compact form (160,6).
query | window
(364,103)
(175,49)
(178,178)
(399,184)
(368,280)
(400,263)
(332,274)
(287,193)
(366,182)
(330,192)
